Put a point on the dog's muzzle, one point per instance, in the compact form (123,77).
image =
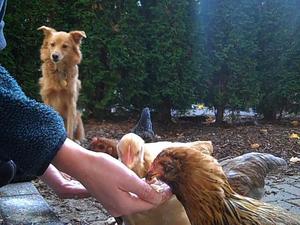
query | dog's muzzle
(55,57)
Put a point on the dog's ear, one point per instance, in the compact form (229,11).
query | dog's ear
(77,36)
(47,30)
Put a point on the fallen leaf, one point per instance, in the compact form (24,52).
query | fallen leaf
(295,123)
(255,146)
(264,131)
(294,136)
(294,159)
(209,120)
(200,106)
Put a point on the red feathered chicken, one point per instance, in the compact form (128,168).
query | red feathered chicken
(106,145)
(200,184)
(138,156)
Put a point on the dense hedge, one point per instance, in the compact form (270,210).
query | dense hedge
(167,54)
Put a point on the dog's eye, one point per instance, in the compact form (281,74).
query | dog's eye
(52,44)
(65,46)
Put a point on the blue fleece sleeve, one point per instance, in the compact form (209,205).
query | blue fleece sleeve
(31,132)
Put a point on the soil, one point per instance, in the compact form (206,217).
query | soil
(228,141)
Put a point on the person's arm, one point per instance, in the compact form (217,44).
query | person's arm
(119,189)
(32,131)
(63,187)
(35,136)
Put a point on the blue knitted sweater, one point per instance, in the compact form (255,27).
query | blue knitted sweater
(31,132)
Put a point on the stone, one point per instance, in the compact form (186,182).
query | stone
(26,188)
(21,203)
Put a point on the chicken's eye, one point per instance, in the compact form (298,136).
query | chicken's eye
(168,167)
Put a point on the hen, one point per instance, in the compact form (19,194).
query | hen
(200,184)
(143,128)
(106,145)
(138,156)
(246,173)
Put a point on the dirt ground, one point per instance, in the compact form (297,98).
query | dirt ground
(227,141)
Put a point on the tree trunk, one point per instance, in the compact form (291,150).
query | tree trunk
(269,115)
(220,115)
(164,113)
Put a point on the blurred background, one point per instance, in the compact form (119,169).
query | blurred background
(167,55)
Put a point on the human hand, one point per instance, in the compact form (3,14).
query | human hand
(63,187)
(118,188)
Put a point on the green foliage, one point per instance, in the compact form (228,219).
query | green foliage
(21,55)
(167,54)
(277,58)
(129,57)
(173,53)
(230,43)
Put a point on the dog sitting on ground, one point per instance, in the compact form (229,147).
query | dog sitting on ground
(59,85)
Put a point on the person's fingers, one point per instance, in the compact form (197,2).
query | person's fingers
(126,199)
(130,182)
(78,193)
(147,193)
(72,190)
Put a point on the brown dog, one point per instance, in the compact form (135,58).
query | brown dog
(60,55)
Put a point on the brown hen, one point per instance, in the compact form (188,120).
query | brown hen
(138,156)
(200,184)
(106,145)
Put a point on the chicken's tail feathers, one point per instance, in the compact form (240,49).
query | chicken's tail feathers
(253,163)
(272,163)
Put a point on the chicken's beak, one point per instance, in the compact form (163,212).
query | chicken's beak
(150,177)
(152,174)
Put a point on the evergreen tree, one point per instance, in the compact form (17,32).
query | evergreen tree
(279,74)
(168,54)
(290,83)
(21,56)
(173,48)
(229,29)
